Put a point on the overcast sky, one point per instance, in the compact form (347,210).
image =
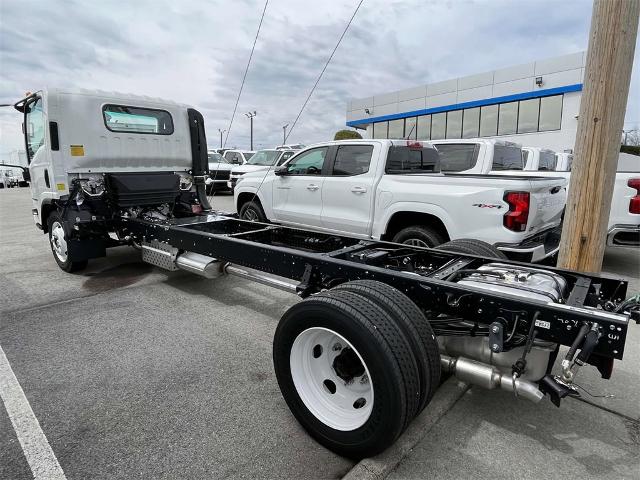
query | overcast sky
(196,51)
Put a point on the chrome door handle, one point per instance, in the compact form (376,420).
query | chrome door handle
(313,187)
(359,190)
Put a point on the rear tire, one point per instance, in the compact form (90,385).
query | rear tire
(472,246)
(415,327)
(418,236)
(384,352)
(58,242)
(253,212)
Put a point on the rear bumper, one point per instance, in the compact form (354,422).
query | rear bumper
(624,236)
(536,248)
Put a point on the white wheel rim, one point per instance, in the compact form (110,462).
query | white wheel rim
(351,403)
(58,242)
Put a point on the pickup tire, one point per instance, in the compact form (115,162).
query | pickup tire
(415,326)
(472,246)
(418,236)
(338,340)
(58,242)
(253,212)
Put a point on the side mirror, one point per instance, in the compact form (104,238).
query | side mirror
(281,170)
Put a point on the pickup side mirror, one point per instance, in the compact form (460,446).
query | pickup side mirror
(281,170)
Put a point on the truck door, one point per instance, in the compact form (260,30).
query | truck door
(297,194)
(348,190)
(37,156)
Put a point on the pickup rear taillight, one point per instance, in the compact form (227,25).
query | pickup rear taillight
(516,218)
(634,203)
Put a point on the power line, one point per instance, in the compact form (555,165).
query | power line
(244,77)
(324,68)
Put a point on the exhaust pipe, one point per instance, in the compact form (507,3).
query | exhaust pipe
(489,377)
(259,277)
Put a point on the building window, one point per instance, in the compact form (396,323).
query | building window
(438,126)
(470,123)
(489,121)
(396,128)
(454,124)
(528,115)
(121,118)
(424,127)
(508,118)
(380,130)
(410,128)
(550,113)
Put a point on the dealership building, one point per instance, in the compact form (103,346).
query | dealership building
(534,104)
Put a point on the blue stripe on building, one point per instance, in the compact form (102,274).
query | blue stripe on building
(476,103)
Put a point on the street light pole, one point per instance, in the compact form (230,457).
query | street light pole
(284,134)
(221,132)
(250,116)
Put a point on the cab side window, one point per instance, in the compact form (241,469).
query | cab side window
(352,159)
(34,128)
(308,163)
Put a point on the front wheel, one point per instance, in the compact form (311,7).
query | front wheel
(58,240)
(253,212)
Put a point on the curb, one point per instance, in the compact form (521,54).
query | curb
(380,466)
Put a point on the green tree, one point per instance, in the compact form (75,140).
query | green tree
(346,135)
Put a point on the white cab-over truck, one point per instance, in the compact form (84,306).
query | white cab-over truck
(362,353)
(393,190)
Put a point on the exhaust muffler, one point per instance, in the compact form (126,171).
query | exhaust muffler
(489,377)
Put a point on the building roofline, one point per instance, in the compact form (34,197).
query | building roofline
(475,103)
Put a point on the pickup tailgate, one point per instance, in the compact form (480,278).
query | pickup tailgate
(547,202)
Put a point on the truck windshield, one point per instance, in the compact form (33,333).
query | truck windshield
(403,160)
(215,158)
(456,157)
(507,157)
(264,157)
(34,128)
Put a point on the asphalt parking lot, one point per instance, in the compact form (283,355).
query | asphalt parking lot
(134,372)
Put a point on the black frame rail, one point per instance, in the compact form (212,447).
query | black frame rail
(320,260)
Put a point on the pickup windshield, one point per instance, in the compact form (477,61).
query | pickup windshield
(457,157)
(264,157)
(403,160)
(507,157)
(216,158)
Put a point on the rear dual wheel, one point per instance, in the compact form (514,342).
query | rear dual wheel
(353,369)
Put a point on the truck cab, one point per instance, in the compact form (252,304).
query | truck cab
(94,153)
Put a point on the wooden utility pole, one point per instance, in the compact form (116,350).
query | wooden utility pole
(614,26)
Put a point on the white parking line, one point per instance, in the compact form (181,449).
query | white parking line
(41,459)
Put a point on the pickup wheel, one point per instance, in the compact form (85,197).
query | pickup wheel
(418,236)
(472,247)
(415,326)
(253,212)
(347,372)
(58,242)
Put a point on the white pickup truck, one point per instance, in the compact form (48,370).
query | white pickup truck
(486,156)
(393,190)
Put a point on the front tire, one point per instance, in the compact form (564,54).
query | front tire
(472,246)
(418,236)
(58,241)
(253,212)
(337,345)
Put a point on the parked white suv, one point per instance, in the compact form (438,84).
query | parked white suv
(393,190)
(262,160)
(238,157)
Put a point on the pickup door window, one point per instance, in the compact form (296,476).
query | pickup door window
(347,192)
(297,195)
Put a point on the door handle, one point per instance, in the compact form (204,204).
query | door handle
(359,190)
(313,187)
